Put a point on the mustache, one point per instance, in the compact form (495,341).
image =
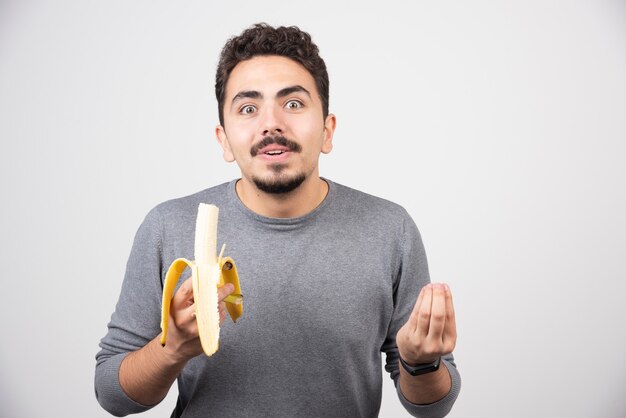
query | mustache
(277,139)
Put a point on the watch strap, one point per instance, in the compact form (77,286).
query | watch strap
(419,369)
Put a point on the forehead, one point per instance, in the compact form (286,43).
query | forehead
(268,74)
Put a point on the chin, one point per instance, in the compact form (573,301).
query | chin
(279,184)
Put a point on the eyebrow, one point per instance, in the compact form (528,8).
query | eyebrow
(293,89)
(250,94)
(254,94)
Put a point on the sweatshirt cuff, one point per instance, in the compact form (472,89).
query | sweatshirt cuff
(109,392)
(438,409)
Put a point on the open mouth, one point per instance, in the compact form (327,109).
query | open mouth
(274,150)
(275,146)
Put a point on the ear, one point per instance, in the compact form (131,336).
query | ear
(329,130)
(222,139)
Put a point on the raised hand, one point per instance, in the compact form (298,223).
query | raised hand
(430,331)
(183,341)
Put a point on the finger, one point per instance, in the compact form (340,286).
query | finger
(184,317)
(224,291)
(414,313)
(449,334)
(437,314)
(423,315)
(222,309)
(183,297)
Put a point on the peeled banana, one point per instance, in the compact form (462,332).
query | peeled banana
(208,273)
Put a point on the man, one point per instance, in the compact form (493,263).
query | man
(331,275)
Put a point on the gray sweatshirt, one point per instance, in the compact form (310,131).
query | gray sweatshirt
(324,296)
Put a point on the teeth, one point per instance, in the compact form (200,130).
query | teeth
(274,152)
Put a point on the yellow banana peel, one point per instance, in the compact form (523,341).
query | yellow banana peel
(208,273)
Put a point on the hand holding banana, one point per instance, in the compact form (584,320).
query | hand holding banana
(430,331)
(200,304)
(183,341)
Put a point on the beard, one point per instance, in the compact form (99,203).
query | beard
(279,184)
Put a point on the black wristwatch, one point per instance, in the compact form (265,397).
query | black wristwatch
(421,368)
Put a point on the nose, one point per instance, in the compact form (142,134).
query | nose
(271,123)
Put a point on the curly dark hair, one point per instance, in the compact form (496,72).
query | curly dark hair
(263,39)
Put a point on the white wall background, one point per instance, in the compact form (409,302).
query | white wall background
(499,125)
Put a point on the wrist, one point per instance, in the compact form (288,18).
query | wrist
(414,359)
(168,354)
(416,369)
(426,388)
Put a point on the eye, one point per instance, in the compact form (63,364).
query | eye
(294,104)
(247,110)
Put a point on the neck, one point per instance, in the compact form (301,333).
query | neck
(296,203)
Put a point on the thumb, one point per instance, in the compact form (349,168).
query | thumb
(224,291)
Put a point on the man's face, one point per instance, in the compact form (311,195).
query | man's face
(273,123)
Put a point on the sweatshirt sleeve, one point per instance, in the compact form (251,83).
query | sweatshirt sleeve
(412,276)
(136,319)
